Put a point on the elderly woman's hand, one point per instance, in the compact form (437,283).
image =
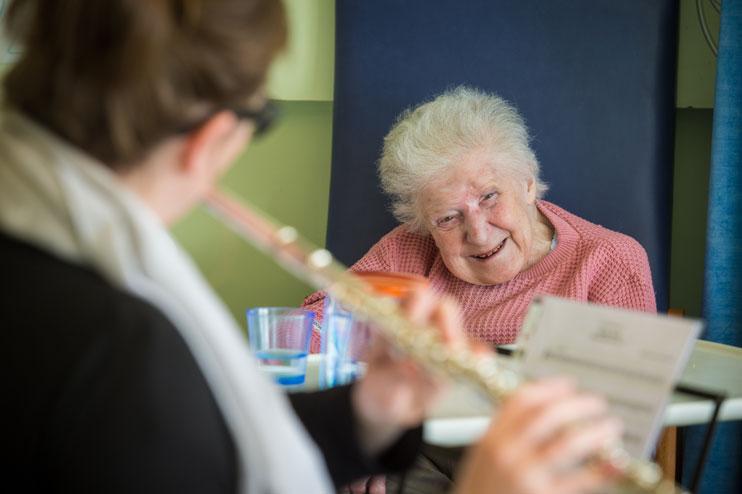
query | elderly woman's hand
(538,444)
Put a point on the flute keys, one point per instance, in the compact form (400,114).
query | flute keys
(507,381)
(320,258)
(286,235)
(647,475)
(439,355)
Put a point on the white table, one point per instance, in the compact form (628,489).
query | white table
(462,416)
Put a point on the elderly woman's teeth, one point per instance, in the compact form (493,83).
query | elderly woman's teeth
(492,252)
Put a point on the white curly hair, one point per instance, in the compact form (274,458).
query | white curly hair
(432,137)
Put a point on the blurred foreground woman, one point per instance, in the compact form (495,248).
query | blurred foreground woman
(123,371)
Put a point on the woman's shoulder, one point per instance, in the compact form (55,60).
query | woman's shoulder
(399,250)
(405,238)
(403,241)
(593,239)
(613,264)
(90,336)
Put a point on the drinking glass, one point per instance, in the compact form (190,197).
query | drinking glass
(345,339)
(279,338)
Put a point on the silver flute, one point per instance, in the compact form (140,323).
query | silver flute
(317,267)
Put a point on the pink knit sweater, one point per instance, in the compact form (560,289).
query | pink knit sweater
(589,263)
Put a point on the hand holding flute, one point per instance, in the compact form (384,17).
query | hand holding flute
(532,446)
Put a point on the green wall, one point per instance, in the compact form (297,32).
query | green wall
(696,63)
(305,70)
(690,197)
(288,173)
(693,124)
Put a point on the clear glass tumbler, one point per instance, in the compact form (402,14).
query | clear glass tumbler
(345,339)
(279,338)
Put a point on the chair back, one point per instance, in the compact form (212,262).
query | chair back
(594,79)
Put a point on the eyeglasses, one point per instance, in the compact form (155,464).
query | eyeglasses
(262,119)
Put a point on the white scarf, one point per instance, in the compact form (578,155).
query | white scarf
(55,197)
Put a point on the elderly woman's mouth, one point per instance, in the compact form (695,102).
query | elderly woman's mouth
(490,253)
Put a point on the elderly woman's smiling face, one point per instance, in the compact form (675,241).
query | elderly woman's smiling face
(485,224)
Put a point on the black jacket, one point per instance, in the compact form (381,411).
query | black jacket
(101,394)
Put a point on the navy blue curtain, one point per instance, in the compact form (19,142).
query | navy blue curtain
(723,285)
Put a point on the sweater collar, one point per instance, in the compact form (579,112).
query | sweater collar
(566,236)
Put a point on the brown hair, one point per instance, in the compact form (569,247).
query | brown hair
(115,77)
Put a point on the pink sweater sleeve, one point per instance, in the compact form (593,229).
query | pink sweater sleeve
(626,279)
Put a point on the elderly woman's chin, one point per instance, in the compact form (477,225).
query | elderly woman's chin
(494,270)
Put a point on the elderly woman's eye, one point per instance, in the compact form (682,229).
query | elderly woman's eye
(446,221)
(490,196)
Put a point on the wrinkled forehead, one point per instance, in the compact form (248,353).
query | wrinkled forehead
(468,178)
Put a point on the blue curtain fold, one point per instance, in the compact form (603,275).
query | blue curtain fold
(723,276)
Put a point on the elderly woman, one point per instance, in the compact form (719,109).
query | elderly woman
(466,189)
(465,185)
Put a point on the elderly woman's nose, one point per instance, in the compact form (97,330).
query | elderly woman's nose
(478,230)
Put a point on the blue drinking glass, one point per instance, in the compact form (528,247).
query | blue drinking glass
(279,337)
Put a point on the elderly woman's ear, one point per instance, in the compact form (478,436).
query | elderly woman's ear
(532,191)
